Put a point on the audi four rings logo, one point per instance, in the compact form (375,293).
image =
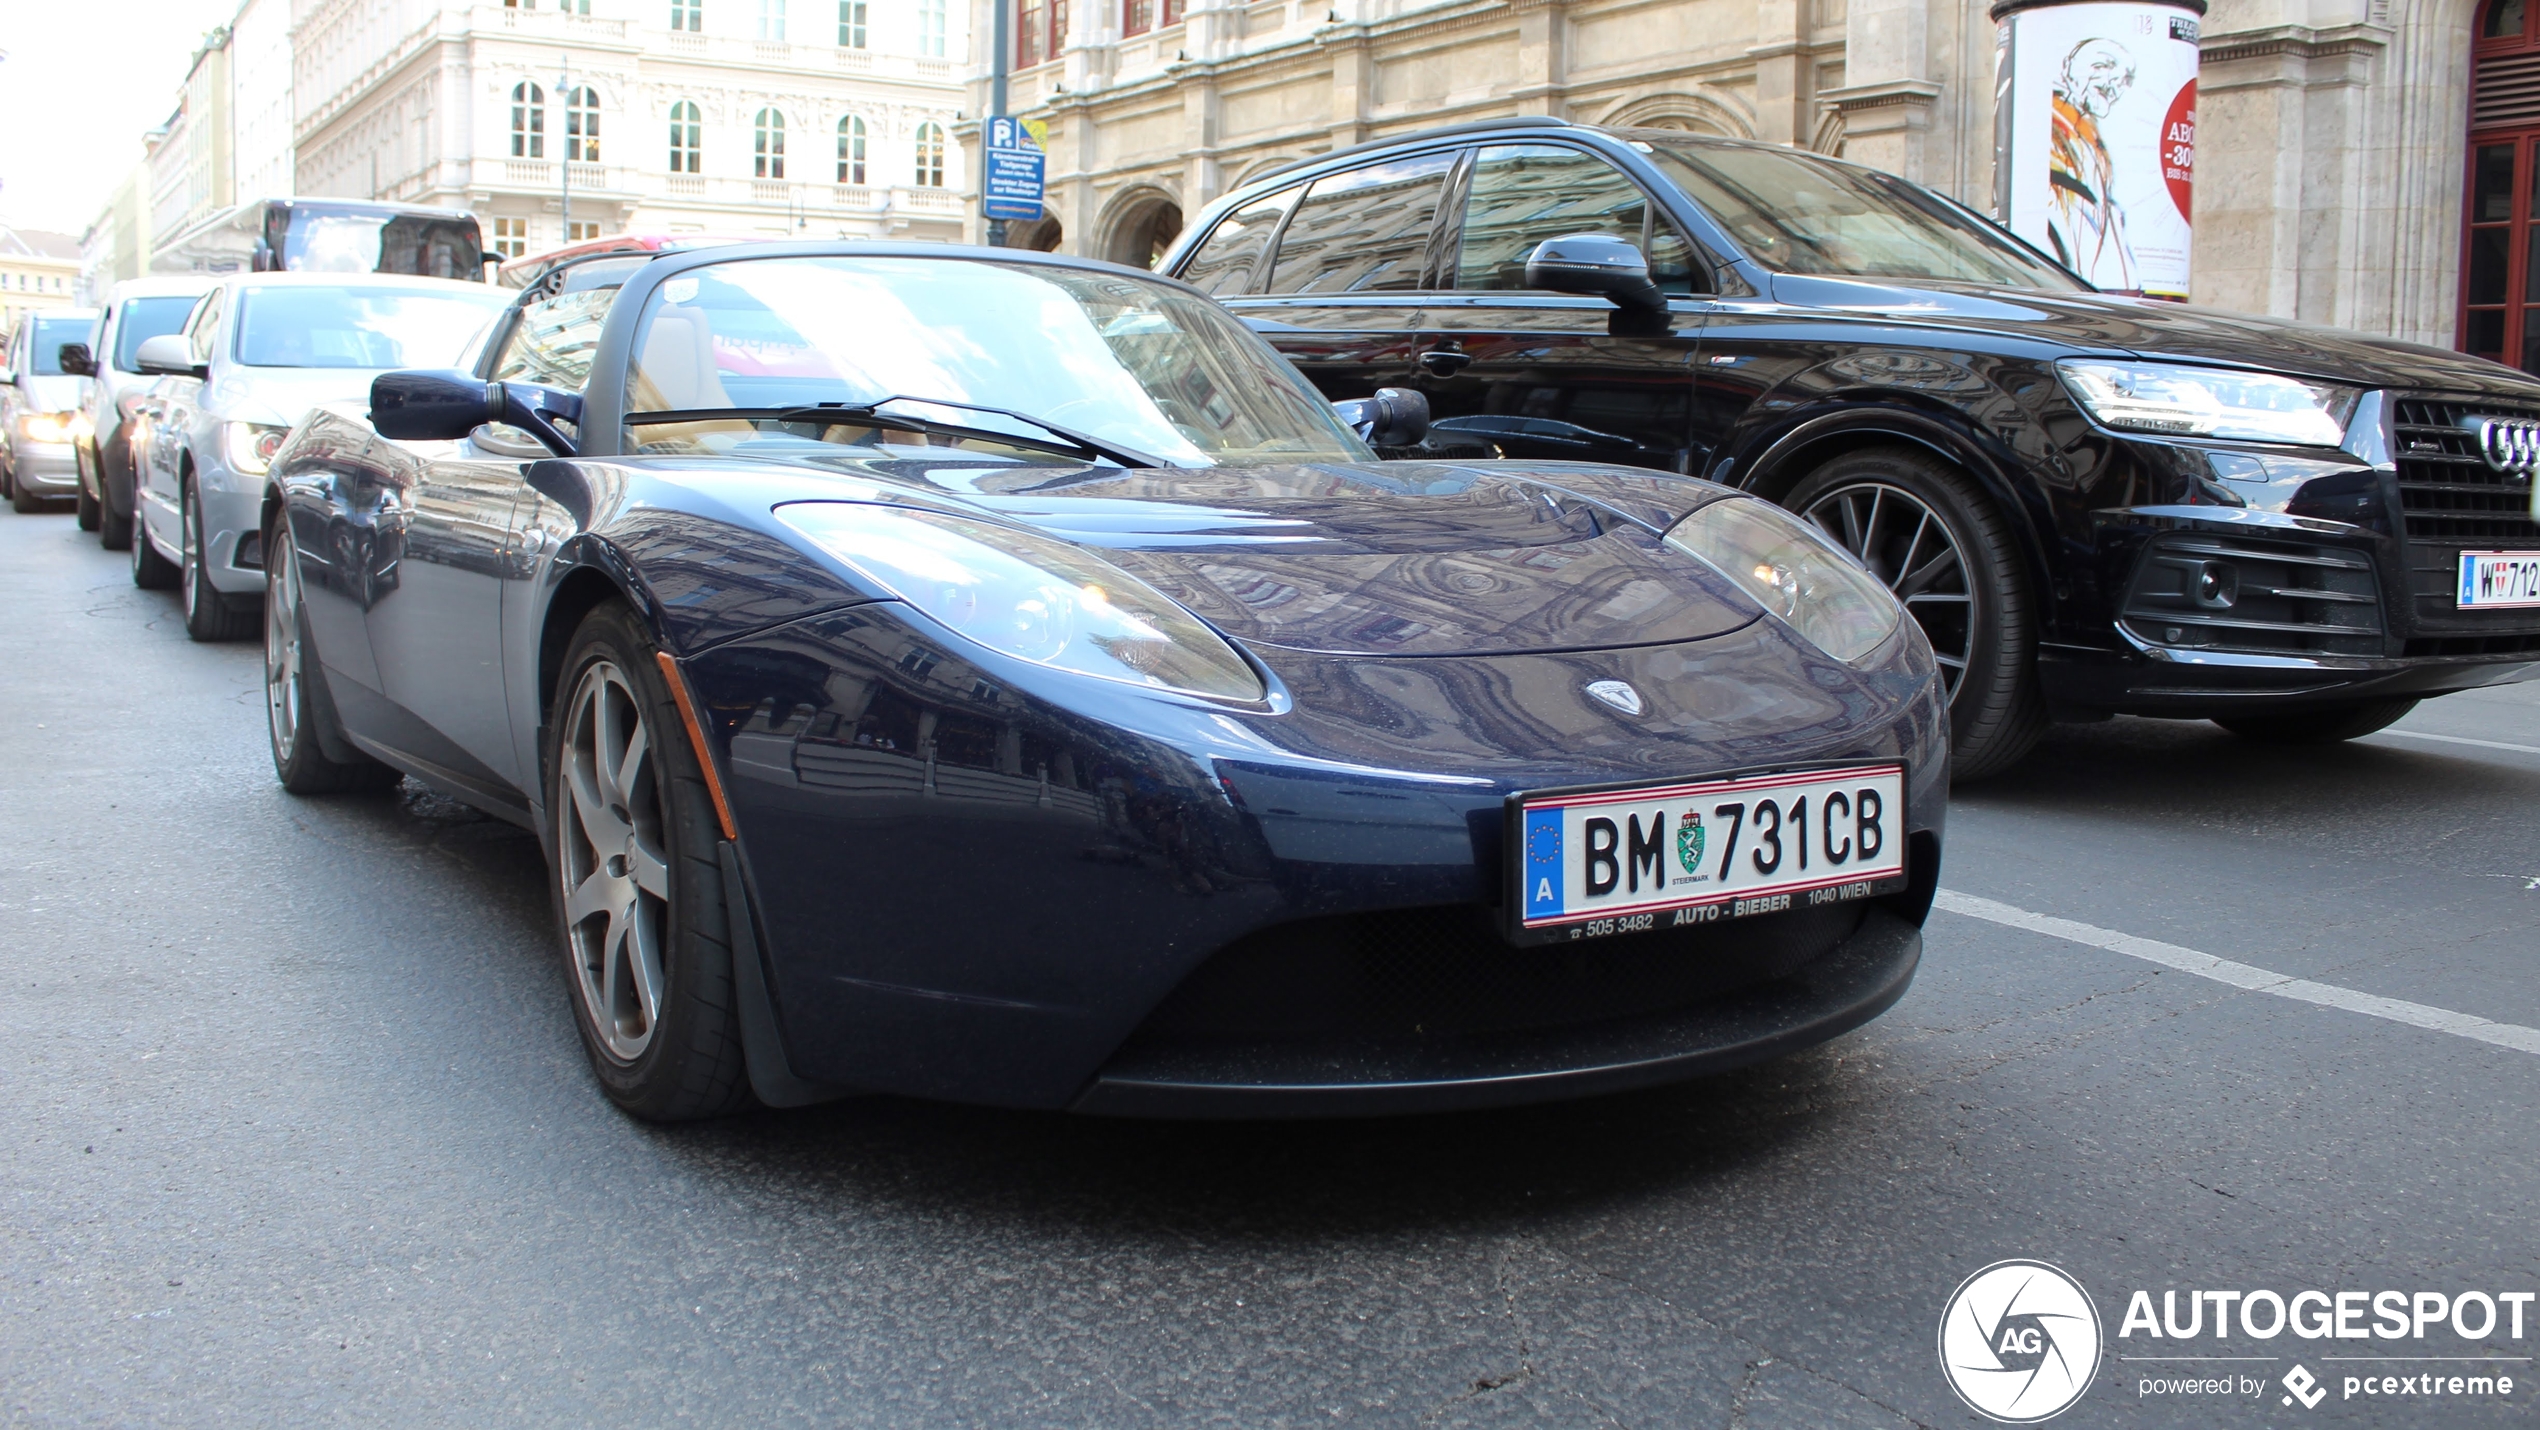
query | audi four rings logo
(2510,444)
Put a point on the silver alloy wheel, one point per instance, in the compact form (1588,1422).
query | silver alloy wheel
(189,536)
(1910,547)
(609,846)
(282,649)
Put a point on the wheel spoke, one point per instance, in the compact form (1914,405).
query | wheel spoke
(1951,661)
(1905,563)
(649,870)
(1913,582)
(596,894)
(601,826)
(643,963)
(630,766)
(1850,510)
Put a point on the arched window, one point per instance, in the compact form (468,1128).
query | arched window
(2500,285)
(851,150)
(582,125)
(529,121)
(853,32)
(930,155)
(688,15)
(687,139)
(769,148)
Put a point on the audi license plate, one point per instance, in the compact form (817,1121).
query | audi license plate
(1587,863)
(2499,580)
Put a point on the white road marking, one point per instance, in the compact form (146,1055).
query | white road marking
(2463,740)
(2243,975)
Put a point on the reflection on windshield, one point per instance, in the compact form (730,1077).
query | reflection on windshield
(1801,214)
(50,334)
(144,319)
(1125,360)
(360,327)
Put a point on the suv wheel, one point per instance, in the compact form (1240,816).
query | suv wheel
(1924,528)
(639,895)
(150,570)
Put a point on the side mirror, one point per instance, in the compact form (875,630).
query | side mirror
(169,355)
(75,360)
(1598,263)
(445,405)
(1394,417)
(490,256)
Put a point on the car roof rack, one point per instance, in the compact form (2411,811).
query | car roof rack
(1475,126)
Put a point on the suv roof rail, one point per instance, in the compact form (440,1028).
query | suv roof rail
(1475,126)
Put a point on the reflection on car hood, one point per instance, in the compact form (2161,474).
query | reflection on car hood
(283,395)
(1395,558)
(2150,328)
(51,394)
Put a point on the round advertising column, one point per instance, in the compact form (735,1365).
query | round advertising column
(2094,141)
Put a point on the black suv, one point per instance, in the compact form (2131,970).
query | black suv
(2093,504)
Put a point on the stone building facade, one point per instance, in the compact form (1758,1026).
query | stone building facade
(2331,138)
(832,120)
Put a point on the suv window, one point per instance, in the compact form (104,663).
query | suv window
(1522,194)
(553,341)
(207,325)
(1225,263)
(1363,231)
(145,318)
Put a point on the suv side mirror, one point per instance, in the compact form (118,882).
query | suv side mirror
(1598,263)
(75,361)
(445,405)
(169,355)
(1394,417)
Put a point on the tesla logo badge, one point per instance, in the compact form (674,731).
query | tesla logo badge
(2508,444)
(1617,694)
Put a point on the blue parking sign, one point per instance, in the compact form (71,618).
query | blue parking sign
(1011,188)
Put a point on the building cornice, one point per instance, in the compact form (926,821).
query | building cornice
(2295,42)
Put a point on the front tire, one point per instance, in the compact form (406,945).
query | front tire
(639,893)
(2319,727)
(295,708)
(209,615)
(114,532)
(150,570)
(1925,529)
(88,509)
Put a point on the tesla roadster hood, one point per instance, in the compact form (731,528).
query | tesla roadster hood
(1398,559)
(2148,328)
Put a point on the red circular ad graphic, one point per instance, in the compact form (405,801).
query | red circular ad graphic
(2178,150)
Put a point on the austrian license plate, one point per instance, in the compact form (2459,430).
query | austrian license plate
(1587,863)
(2499,580)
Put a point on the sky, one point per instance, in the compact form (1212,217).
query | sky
(82,82)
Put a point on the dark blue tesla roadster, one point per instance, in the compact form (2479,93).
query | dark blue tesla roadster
(997,677)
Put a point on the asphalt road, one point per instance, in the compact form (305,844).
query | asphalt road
(294,1127)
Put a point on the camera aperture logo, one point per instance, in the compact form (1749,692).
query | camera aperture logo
(2019,1342)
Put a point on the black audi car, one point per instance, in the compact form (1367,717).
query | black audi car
(998,677)
(2093,504)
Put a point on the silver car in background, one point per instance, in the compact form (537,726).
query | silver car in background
(254,356)
(137,310)
(40,418)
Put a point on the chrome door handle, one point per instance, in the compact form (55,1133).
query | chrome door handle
(1444,362)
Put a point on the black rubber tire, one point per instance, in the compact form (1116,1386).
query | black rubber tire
(2319,727)
(300,759)
(22,501)
(1998,713)
(150,570)
(114,532)
(694,1065)
(209,615)
(88,509)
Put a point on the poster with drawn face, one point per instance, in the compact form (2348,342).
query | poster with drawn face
(2097,139)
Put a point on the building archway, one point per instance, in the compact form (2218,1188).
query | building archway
(1692,113)
(1143,224)
(1041,235)
(2500,282)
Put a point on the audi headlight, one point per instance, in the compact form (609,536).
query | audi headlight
(1792,571)
(2180,401)
(1030,596)
(250,446)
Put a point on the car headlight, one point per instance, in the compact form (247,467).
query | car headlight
(1792,571)
(52,426)
(2181,401)
(250,446)
(1028,595)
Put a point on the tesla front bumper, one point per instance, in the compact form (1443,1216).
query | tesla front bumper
(985,881)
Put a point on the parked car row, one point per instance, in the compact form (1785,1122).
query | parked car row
(1006,678)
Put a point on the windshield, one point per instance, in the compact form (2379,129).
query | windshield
(361,327)
(427,245)
(1125,361)
(147,318)
(50,334)
(1798,213)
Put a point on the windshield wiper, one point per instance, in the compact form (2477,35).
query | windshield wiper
(869,414)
